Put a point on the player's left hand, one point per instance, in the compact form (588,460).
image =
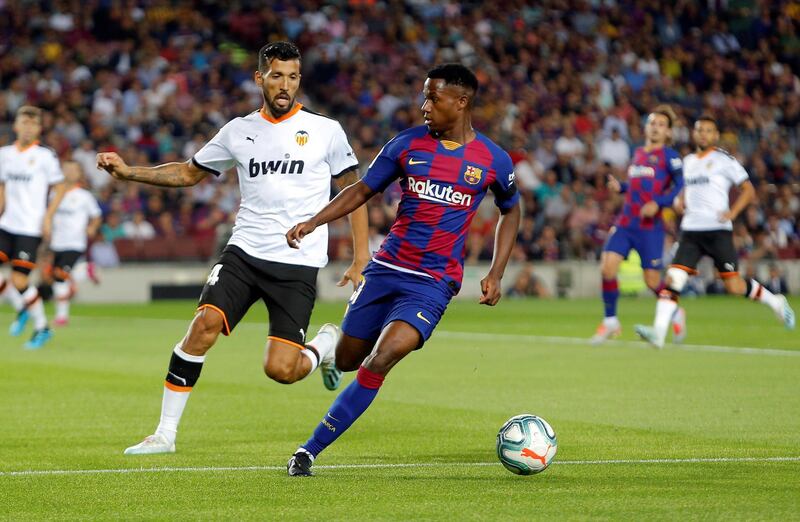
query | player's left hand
(490,288)
(726,216)
(649,209)
(353,274)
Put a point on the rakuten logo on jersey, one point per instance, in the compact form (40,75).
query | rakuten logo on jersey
(439,193)
(641,171)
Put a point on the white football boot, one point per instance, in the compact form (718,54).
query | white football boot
(331,375)
(152,445)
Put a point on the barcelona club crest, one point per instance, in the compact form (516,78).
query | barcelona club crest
(473,175)
(301,138)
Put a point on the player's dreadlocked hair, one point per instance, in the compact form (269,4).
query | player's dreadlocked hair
(456,74)
(283,51)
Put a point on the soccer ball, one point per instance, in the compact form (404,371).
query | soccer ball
(526,444)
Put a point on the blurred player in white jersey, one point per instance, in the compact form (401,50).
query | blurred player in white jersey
(285,157)
(76,221)
(706,229)
(27,173)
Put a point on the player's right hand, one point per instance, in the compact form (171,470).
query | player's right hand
(112,163)
(613,184)
(298,232)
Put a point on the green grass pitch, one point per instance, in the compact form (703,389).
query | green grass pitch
(710,430)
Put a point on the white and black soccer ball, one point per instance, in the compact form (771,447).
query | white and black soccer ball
(526,444)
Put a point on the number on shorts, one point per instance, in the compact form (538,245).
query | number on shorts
(213,277)
(358,290)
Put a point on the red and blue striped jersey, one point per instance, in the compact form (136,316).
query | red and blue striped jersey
(657,176)
(442,185)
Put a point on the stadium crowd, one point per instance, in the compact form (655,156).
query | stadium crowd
(565,87)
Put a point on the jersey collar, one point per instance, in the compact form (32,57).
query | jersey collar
(23,149)
(295,110)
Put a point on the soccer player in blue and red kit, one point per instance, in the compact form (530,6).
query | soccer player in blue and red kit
(445,169)
(655,177)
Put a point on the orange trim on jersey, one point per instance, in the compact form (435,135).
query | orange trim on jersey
(176,388)
(63,274)
(686,269)
(295,110)
(23,149)
(227,330)
(3,257)
(23,263)
(701,155)
(728,275)
(291,343)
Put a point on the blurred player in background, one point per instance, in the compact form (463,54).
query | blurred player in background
(654,179)
(445,169)
(707,230)
(285,156)
(28,170)
(77,220)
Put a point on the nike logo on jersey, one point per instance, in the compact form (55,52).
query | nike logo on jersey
(417,162)
(420,316)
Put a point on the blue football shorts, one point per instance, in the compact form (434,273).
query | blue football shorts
(385,295)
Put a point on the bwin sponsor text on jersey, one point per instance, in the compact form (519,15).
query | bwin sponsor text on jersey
(275,167)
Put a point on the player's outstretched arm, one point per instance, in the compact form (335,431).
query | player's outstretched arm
(2,198)
(173,174)
(504,238)
(347,201)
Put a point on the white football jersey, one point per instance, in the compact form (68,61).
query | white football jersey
(285,168)
(708,179)
(71,220)
(27,175)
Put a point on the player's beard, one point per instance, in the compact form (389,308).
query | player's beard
(276,110)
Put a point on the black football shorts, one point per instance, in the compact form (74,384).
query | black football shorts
(238,280)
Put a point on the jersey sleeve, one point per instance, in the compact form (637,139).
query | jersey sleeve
(92,208)
(385,168)
(675,170)
(340,156)
(54,174)
(504,186)
(215,157)
(735,172)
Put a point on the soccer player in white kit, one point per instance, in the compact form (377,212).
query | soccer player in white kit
(285,156)
(76,220)
(706,229)
(28,171)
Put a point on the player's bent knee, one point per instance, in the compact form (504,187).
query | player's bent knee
(677,278)
(281,373)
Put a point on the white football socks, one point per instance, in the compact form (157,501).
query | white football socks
(173,402)
(323,342)
(759,293)
(35,306)
(61,291)
(665,310)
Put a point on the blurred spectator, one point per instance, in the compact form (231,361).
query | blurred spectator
(527,284)
(138,227)
(776,283)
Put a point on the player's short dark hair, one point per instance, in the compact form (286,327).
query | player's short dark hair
(709,118)
(667,112)
(283,51)
(30,111)
(455,74)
